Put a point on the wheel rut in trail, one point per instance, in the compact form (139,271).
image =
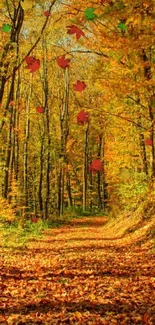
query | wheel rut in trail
(77,275)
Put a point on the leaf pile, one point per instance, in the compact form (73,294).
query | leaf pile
(75,275)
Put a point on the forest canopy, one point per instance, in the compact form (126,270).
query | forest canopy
(77,99)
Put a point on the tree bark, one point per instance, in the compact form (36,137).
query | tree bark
(41,175)
(148,76)
(64,129)
(27,135)
(85,167)
(99,174)
(17,22)
(9,145)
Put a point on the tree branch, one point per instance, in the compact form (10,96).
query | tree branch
(36,42)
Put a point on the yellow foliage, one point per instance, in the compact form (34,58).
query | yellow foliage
(7,213)
(27,4)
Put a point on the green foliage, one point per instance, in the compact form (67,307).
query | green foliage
(14,236)
(77,211)
(132,193)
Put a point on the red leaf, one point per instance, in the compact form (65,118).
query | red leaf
(95,166)
(75,30)
(148,142)
(34,219)
(62,62)
(39,109)
(33,64)
(145,318)
(79,86)
(82,117)
(29,59)
(46,13)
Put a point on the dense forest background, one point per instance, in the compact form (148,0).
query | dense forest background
(77,93)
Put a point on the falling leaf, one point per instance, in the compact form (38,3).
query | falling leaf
(95,166)
(46,13)
(122,26)
(6,28)
(82,117)
(79,86)
(26,4)
(148,142)
(75,30)
(33,64)
(89,14)
(39,109)
(62,62)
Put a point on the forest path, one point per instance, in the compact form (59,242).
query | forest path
(76,274)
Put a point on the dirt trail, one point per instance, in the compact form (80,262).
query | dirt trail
(77,274)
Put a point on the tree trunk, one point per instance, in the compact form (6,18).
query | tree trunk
(17,22)
(152,135)
(99,174)
(9,145)
(68,185)
(85,167)
(148,76)
(41,176)
(27,135)
(47,128)
(64,129)
(90,184)
(143,148)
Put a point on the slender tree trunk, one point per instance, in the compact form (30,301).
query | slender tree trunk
(104,183)
(64,129)
(27,135)
(148,76)
(9,146)
(47,128)
(99,174)
(90,184)
(59,191)
(41,176)
(152,135)
(68,185)
(85,167)
(62,191)
(17,128)
(143,148)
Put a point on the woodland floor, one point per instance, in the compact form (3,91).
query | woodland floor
(86,272)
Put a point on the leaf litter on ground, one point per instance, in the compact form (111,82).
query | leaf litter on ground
(80,273)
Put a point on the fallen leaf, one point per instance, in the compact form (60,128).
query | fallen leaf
(145,318)
(122,26)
